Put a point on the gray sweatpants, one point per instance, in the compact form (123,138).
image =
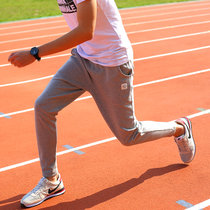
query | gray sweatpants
(112,90)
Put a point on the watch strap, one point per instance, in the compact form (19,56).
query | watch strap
(35,52)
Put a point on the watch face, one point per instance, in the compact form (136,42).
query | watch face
(34,51)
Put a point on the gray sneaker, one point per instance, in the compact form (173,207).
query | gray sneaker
(44,190)
(185,143)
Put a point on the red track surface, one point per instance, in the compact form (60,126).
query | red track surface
(108,175)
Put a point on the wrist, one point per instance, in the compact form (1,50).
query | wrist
(35,53)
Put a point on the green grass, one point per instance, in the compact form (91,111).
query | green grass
(134,3)
(11,10)
(26,9)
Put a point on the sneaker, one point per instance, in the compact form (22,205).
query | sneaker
(185,143)
(43,191)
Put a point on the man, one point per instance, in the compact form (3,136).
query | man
(102,64)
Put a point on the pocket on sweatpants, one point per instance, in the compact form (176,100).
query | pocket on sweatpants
(126,69)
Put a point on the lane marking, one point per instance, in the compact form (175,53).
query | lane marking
(66,26)
(27,81)
(170,6)
(167,27)
(83,98)
(17,112)
(29,38)
(137,85)
(130,24)
(166,19)
(32,109)
(76,151)
(14,50)
(199,114)
(137,59)
(132,32)
(166,13)
(57,154)
(33,24)
(172,77)
(140,31)
(126,18)
(199,206)
(4,65)
(33,30)
(173,53)
(166,6)
(4,115)
(81,147)
(172,37)
(201,109)
(184,203)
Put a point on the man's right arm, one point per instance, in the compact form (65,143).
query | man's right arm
(86,15)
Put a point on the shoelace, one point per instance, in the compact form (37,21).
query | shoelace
(38,188)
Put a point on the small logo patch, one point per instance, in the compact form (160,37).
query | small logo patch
(124,86)
(51,191)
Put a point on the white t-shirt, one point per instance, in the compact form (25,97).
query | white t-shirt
(110,45)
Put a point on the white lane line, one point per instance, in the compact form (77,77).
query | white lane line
(50,76)
(132,32)
(56,56)
(169,5)
(17,112)
(15,50)
(137,59)
(57,154)
(31,38)
(168,27)
(130,24)
(199,114)
(66,26)
(7,168)
(172,53)
(144,42)
(166,13)
(33,30)
(173,77)
(137,85)
(45,58)
(172,37)
(27,81)
(165,20)
(33,24)
(199,206)
(166,6)
(4,65)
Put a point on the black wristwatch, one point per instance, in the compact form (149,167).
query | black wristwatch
(35,52)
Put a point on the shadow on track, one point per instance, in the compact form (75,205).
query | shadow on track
(11,203)
(114,191)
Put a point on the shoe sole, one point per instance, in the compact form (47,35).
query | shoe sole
(60,192)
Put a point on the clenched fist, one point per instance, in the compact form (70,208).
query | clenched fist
(21,58)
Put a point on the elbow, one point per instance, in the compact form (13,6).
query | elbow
(89,35)
(87,32)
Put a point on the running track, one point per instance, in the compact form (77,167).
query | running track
(172,75)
